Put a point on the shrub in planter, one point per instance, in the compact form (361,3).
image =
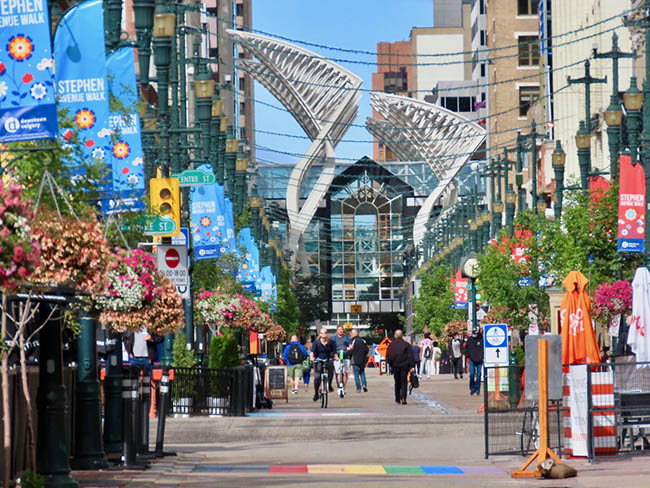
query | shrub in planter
(224,354)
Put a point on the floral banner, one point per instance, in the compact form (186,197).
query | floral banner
(207,218)
(267,285)
(230,226)
(123,152)
(631,205)
(81,85)
(250,265)
(27,106)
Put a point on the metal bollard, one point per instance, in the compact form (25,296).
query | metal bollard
(163,409)
(129,397)
(237,398)
(145,405)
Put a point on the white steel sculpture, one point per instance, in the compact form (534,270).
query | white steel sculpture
(322,96)
(418,130)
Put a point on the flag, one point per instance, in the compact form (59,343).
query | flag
(637,337)
(460,287)
(27,105)
(479,105)
(205,214)
(81,85)
(631,205)
(125,189)
(266,282)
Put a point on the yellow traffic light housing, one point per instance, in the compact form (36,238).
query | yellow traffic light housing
(165,197)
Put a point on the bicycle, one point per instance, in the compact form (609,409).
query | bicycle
(529,435)
(321,367)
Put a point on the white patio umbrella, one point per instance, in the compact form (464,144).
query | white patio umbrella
(638,337)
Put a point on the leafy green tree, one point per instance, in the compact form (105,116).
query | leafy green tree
(435,306)
(311,295)
(210,274)
(288,313)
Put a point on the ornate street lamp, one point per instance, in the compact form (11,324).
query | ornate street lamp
(614,118)
(486,219)
(232,147)
(241,167)
(583,143)
(216,109)
(204,89)
(558,159)
(633,100)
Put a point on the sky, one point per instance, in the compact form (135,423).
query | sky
(349,24)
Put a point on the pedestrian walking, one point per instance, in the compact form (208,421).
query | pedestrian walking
(342,358)
(426,355)
(475,354)
(456,355)
(359,356)
(307,365)
(417,353)
(399,356)
(437,356)
(294,354)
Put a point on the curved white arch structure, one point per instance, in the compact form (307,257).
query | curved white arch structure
(418,130)
(322,96)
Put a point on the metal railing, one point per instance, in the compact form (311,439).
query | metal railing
(202,391)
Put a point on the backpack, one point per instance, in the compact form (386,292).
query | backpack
(295,355)
(427,352)
(438,356)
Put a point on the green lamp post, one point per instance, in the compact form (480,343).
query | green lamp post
(519,173)
(558,160)
(633,100)
(511,200)
(204,90)
(216,109)
(645,136)
(583,143)
(487,218)
(241,168)
(221,150)
(88,449)
(164,27)
(232,147)
(112,23)
(143,12)
(613,114)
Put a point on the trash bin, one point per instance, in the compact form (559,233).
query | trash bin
(514,380)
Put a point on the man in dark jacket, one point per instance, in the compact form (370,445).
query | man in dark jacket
(359,356)
(399,356)
(475,354)
(143,349)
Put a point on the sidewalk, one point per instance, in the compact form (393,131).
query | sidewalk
(362,439)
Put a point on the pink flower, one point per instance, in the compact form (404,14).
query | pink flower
(18,254)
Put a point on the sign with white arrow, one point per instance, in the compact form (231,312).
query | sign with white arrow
(495,344)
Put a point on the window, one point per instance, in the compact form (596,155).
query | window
(528,51)
(482,70)
(527,7)
(483,37)
(527,96)
(239,9)
(481,6)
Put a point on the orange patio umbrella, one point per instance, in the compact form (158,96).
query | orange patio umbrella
(579,344)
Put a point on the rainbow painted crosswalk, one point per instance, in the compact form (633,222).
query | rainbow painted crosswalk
(343,469)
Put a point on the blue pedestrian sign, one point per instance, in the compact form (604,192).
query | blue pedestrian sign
(495,344)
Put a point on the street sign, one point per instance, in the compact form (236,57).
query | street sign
(182,239)
(155,225)
(495,344)
(194,177)
(172,262)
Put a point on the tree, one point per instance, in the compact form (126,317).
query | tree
(210,274)
(435,306)
(288,313)
(311,297)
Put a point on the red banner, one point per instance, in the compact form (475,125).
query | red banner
(631,206)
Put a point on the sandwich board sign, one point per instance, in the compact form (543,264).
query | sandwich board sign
(495,344)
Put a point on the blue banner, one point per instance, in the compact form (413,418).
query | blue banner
(27,106)
(267,285)
(205,214)
(81,85)
(230,226)
(249,266)
(123,153)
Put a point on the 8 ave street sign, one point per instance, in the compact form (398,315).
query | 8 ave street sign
(495,344)
(172,262)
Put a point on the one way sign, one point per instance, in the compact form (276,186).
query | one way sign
(495,344)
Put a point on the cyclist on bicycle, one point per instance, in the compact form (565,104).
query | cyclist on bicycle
(342,358)
(323,349)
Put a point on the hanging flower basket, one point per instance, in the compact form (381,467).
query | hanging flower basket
(275,333)
(456,327)
(219,309)
(73,251)
(136,296)
(611,299)
(19,250)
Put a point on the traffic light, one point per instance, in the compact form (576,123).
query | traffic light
(166,200)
